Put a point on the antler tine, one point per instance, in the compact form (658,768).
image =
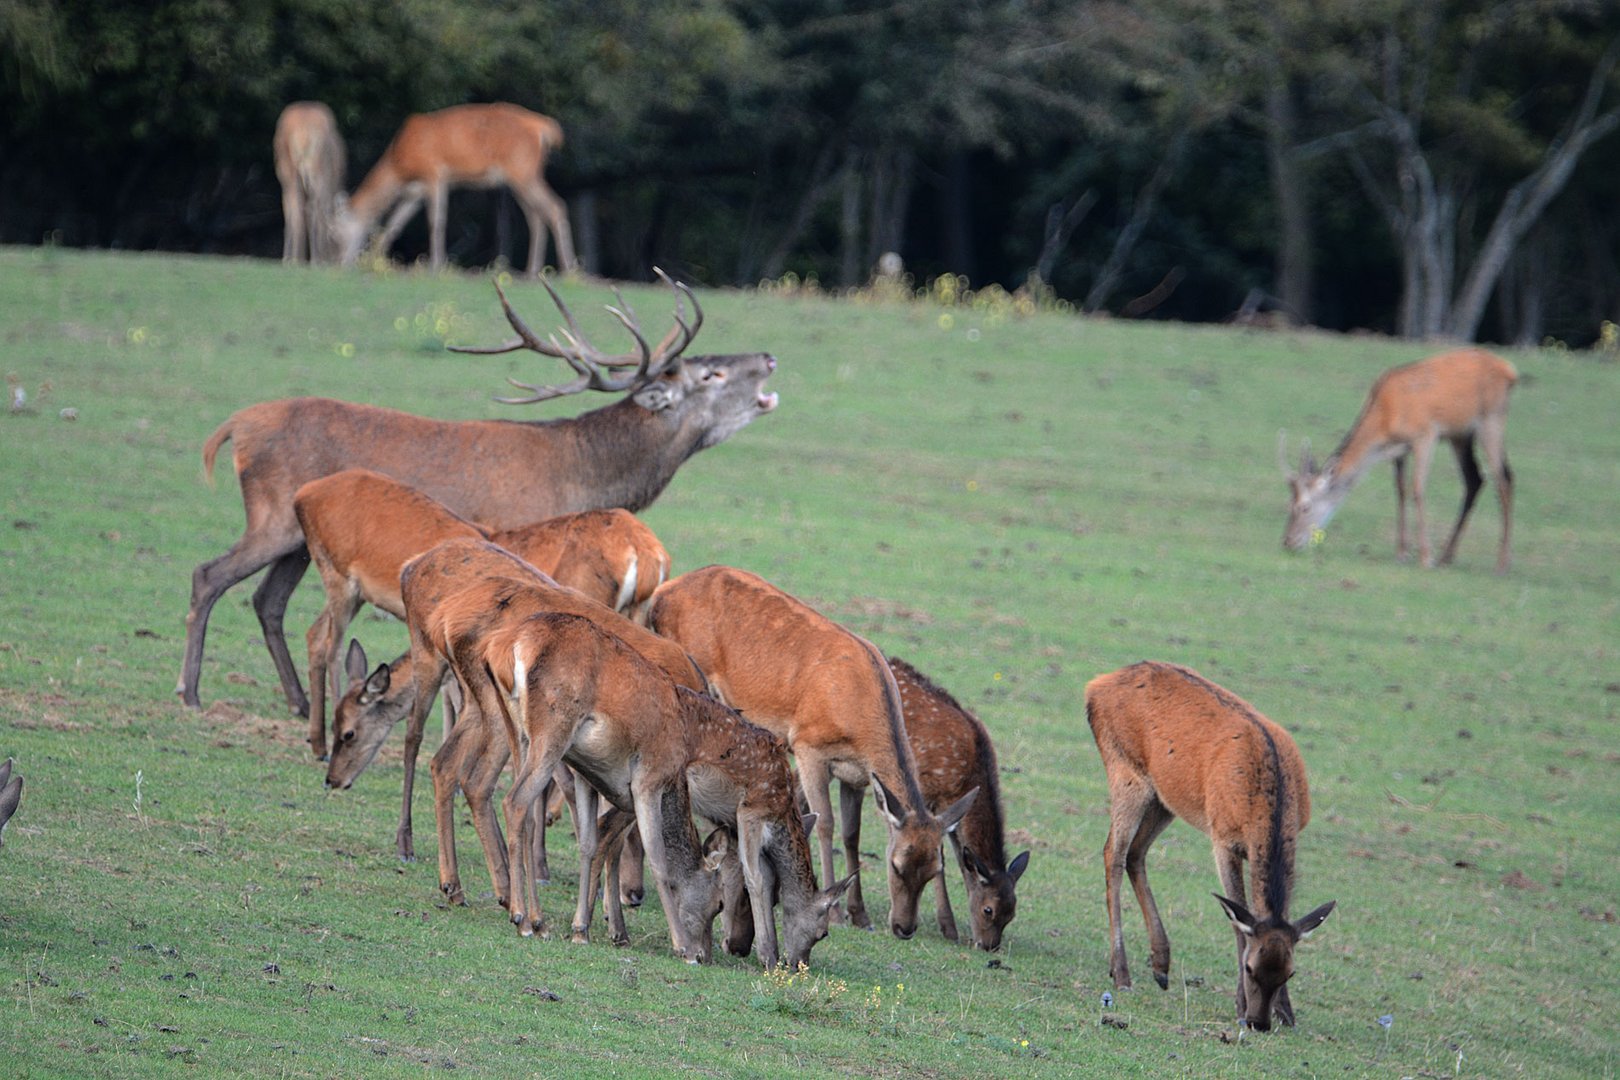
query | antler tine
(686,331)
(526,339)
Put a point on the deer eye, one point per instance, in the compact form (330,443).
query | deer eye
(989,912)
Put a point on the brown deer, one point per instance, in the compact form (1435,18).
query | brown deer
(739,779)
(1459,396)
(955,756)
(498,473)
(462,146)
(311,167)
(568,690)
(362,527)
(458,587)
(1177,745)
(829,693)
(10,796)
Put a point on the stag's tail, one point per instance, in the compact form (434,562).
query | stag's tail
(219,438)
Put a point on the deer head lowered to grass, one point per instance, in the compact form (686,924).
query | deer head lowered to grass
(1177,745)
(500,474)
(1461,397)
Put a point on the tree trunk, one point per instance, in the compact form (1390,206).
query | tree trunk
(849,222)
(1295,271)
(587,230)
(958,216)
(1141,213)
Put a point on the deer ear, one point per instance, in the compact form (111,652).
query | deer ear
(1016,868)
(976,864)
(953,815)
(809,823)
(657,395)
(1238,914)
(377,685)
(889,805)
(1314,919)
(831,895)
(354,664)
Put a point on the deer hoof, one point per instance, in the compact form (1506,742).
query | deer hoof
(1162,980)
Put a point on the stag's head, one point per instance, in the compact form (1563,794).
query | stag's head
(1311,499)
(712,397)
(1268,959)
(366,713)
(914,851)
(991,896)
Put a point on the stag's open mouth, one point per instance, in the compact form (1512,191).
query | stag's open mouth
(766,402)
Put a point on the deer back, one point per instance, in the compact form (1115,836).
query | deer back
(609,555)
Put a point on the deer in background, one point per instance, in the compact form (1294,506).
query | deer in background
(10,796)
(497,473)
(462,146)
(954,756)
(310,164)
(362,527)
(829,693)
(1459,396)
(1177,745)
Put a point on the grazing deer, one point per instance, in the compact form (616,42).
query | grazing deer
(829,693)
(568,690)
(10,796)
(1459,396)
(954,756)
(362,527)
(498,473)
(456,588)
(462,146)
(1176,745)
(310,165)
(739,779)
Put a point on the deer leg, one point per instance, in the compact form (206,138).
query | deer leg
(488,755)
(542,865)
(632,870)
(611,831)
(437,209)
(1492,435)
(1128,799)
(650,820)
(758,880)
(1229,865)
(587,826)
(270,604)
(1472,482)
(814,779)
(259,546)
(535,763)
(556,213)
(850,804)
(942,896)
(1422,458)
(409,205)
(292,214)
(323,640)
(1400,508)
(1154,820)
(446,770)
(413,745)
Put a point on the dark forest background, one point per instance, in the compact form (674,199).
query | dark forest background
(1426,169)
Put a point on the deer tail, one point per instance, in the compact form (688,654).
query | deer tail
(220,437)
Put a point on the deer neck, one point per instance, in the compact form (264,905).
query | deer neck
(376,193)
(625,455)
(1271,847)
(788,850)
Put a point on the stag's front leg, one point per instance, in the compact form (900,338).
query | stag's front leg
(851,801)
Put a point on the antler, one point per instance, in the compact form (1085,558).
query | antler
(596,370)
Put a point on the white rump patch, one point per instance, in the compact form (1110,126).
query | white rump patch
(627,590)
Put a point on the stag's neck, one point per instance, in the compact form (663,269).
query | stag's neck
(624,455)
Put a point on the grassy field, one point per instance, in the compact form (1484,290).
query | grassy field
(1014,504)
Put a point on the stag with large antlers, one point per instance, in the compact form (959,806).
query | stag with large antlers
(498,473)
(1461,397)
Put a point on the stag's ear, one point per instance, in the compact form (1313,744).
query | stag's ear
(657,395)
(354,664)
(889,805)
(1238,914)
(1016,868)
(1314,919)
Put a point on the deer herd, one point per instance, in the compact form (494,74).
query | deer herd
(546,614)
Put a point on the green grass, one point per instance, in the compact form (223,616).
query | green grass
(1014,505)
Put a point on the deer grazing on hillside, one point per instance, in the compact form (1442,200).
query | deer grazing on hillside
(462,146)
(739,779)
(461,587)
(10,796)
(568,690)
(954,756)
(1177,745)
(1459,396)
(829,693)
(497,473)
(310,164)
(362,527)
